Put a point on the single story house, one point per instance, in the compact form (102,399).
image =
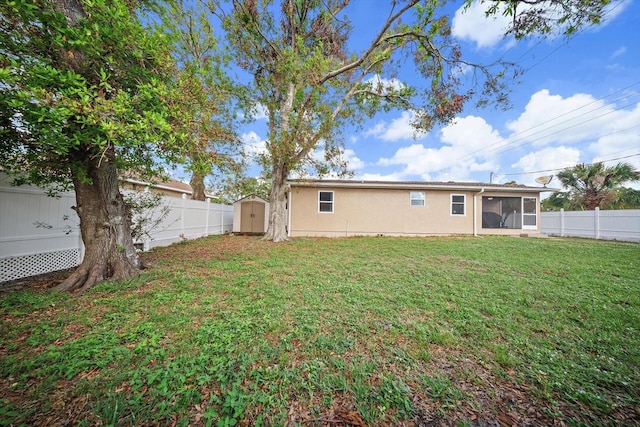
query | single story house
(250,215)
(334,208)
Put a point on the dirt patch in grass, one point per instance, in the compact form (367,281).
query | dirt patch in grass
(40,282)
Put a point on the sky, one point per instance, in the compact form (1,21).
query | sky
(578,101)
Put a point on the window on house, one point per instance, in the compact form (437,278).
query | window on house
(417,198)
(457,204)
(325,201)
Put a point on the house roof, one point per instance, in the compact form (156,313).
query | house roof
(418,185)
(171,184)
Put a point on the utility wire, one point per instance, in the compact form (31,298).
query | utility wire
(520,134)
(608,13)
(558,169)
(527,140)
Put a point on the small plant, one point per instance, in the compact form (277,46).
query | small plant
(148,212)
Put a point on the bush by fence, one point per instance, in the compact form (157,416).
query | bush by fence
(40,234)
(597,224)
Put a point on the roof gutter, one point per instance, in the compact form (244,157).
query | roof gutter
(475,212)
(416,186)
(159,186)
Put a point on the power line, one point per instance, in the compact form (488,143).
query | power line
(557,169)
(521,133)
(581,30)
(528,140)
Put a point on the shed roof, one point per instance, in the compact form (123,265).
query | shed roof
(251,197)
(418,185)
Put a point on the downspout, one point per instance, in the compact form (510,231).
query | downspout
(475,212)
(289,212)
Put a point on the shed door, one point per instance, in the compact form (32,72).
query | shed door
(252,217)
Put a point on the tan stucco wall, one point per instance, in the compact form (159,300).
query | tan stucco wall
(360,211)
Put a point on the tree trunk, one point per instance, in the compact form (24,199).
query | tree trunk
(277,230)
(105,228)
(197,185)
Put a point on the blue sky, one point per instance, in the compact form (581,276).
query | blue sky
(577,102)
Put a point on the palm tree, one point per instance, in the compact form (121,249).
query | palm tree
(593,185)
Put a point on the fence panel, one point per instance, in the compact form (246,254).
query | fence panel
(610,225)
(620,225)
(40,234)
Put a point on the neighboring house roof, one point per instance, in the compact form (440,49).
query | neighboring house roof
(426,185)
(170,185)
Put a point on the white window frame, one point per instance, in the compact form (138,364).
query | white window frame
(528,214)
(332,202)
(422,199)
(463,203)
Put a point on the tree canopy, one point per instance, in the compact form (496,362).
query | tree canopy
(596,185)
(206,95)
(543,17)
(81,81)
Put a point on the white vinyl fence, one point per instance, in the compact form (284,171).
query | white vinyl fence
(40,234)
(609,225)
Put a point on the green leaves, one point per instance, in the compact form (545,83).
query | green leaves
(595,185)
(70,89)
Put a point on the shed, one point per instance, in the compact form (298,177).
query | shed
(250,215)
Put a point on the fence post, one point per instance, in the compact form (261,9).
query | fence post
(561,222)
(206,225)
(184,213)
(596,214)
(80,246)
(221,219)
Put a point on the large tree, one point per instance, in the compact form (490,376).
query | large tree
(596,185)
(207,95)
(83,97)
(313,77)
(312,81)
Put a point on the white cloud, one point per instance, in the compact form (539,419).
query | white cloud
(253,145)
(352,160)
(473,25)
(441,164)
(348,155)
(619,147)
(395,176)
(471,133)
(399,129)
(261,112)
(619,52)
(579,118)
(382,85)
(461,154)
(548,158)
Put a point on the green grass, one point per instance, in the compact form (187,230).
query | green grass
(234,331)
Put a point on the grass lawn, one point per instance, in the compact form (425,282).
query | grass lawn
(360,331)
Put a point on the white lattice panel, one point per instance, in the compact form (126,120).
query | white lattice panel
(31,265)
